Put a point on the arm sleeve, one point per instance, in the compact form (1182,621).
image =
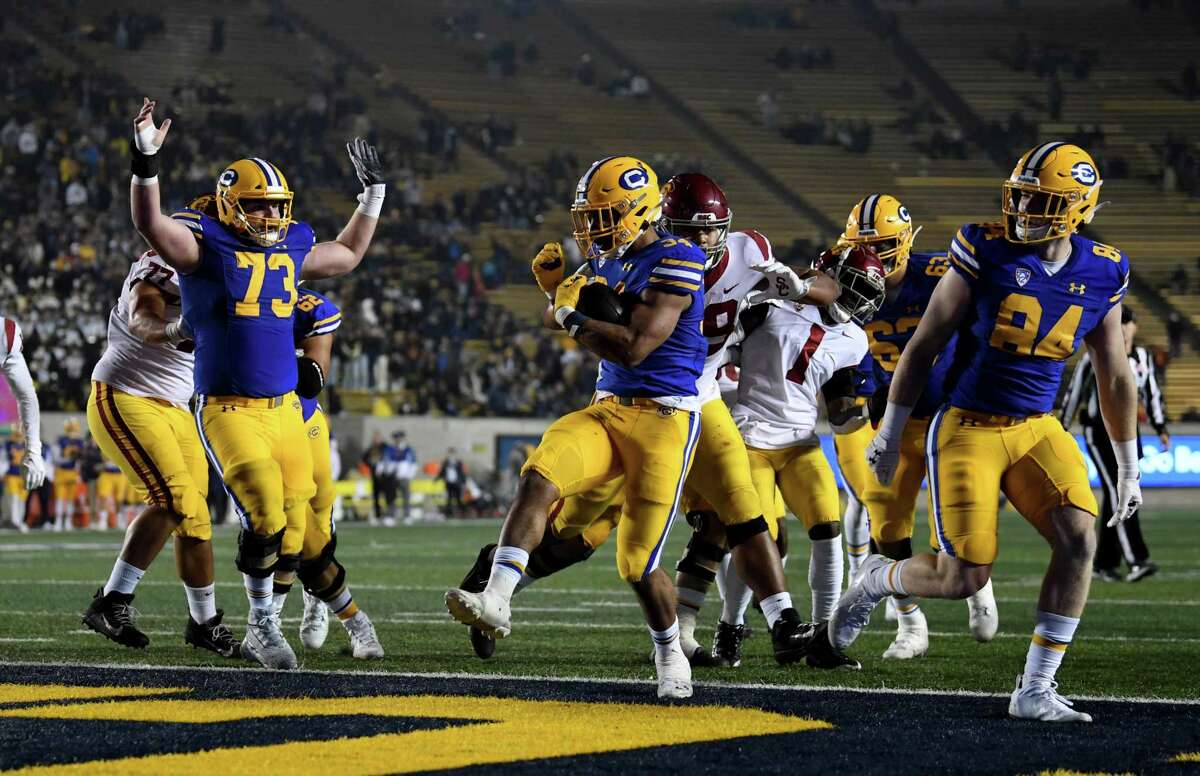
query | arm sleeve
(21,382)
(1075,393)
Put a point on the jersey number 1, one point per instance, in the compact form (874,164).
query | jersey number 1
(798,370)
(259,263)
(1059,342)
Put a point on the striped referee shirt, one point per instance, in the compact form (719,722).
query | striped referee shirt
(1083,398)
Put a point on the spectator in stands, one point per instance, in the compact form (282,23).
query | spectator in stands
(216,35)
(1175,330)
(454,475)
(585,70)
(768,109)
(1179,278)
(406,466)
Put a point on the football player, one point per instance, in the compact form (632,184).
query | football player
(138,414)
(323,577)
(850,447)
(1027,291)
(883,223)
(238,275)
(68,451)
(107,491)
(645,420)
(26,469)
(695,208)
(789,355)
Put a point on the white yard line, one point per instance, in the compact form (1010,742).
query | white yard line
(595,680)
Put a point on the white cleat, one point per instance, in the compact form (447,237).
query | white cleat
(674,675)
(364,644)
(890,614)
(485,612)
(314,625)
(854,608)
(1043,703)
(264,642)
(984,617)
(912,640)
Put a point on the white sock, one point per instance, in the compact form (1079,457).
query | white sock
(722,570)
(908,611)
(825,576)
(687,607)
(1051,637)
(259,592)
(202,602)
(737,596)
(665,641)
(773,606)
(278,601)
(124,578)
(884,580)
(508,566)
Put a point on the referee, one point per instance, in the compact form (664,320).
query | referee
(1124,539)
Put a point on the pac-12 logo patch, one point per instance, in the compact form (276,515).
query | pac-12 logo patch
(228,178)
(634,179)
(1084,173)
(1023,276)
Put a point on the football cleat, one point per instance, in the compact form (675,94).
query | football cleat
(983,617)
(483,644)
(674,675)
(314,624)
(1106,575)
(821,654)
(213,635)
(112,617)
(854,609)
(364,644)
(481,610)
(912,639)
(727,645)
(1140,571)
(264,642)
(1042,702)
(791,637)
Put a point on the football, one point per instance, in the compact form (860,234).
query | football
(599,301)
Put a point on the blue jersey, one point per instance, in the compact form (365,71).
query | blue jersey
(14,455)
(1026,322)
(316,314)
(239,303)
(674,266)
(70,450)
(896,321)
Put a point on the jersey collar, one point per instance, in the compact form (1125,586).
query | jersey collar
(714,274)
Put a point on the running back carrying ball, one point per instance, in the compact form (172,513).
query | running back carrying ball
(599,301)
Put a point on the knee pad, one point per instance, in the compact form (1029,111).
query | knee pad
(701,559)
(322,576)
(554,554)
(781,539)
(899,550)
(825,530)
(257,555)
(741,532)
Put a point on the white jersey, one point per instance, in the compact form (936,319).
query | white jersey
(14,368)
(725,286)
(140,368)
(785,361)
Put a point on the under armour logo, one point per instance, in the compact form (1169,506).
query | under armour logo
(228,408)
(1077,288)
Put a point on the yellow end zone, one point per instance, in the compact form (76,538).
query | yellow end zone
(508,730)
(33,693)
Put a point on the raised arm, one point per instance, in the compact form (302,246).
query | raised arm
(169,238)
(337,257)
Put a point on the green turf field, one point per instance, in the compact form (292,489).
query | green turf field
(1136,640)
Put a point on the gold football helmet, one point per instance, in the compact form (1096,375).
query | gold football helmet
(616,200)
(1053,190)
(254,179)
(206,204)
(72,427)
(882,223)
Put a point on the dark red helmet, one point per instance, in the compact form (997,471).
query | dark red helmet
(693,200)
(860,273)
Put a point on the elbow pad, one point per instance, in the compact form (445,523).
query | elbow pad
(311,378)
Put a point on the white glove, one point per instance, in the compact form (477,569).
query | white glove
(883,457)
(782,283)
(147,137)
(35,470)
(1129,498)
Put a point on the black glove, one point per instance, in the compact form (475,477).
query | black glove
(366,162)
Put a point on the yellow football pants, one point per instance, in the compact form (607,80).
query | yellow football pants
(66,482)
(108,485)
(260,449)
(852,459)
(804,478)
(156,446)
(651,445)
(14,485)
(892,508)
(319,528)
(971,457)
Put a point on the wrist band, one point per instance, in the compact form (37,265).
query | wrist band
(370,202)
(1126,454)
(570,319)
(140,181)
(142,165)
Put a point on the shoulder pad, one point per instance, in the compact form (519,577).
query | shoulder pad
(761,242)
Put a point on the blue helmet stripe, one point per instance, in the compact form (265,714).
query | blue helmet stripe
(267,171)
(867,221)
(1038,155)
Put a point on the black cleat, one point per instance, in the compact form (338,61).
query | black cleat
(484,644)
(727,645)
(213,636)
(112,617)
(791,637)
(822,653)
(703,658)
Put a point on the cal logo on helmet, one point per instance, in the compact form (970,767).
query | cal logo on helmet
(1052,192)
(616,201)
(880,222)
